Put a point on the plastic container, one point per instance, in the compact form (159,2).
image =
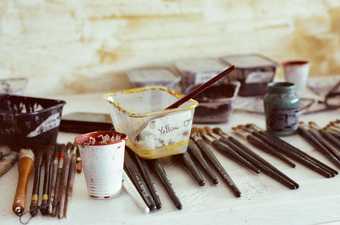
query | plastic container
(13,85)
(216,103)
(198,71)
(254,72)
(29,122)
(153,132)
(153,76)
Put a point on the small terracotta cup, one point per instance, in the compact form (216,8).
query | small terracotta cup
(102,154)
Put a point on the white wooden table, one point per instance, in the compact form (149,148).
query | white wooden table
(263,200)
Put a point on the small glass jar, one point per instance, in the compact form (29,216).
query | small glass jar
(281,105)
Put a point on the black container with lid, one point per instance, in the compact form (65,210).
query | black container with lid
(253,71)
(216,103)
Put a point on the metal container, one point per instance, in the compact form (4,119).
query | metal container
(153,131)
(253,71)
(216,103)
(281,105)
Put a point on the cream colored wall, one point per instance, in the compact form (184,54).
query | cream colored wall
(83,45)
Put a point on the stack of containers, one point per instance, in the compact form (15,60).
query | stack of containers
(254,72)
(215,104)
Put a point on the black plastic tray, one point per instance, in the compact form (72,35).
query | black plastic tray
(28,122)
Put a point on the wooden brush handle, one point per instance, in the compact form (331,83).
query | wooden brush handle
(25,167)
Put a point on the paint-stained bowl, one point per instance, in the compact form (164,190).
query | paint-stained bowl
(153,131)
(28,122)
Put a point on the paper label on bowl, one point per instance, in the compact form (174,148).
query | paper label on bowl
(165,130)
(259,77)
(50,123)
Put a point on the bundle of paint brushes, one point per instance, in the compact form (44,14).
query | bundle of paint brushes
(54,171)
(325,140)
(281,149)
(201,163)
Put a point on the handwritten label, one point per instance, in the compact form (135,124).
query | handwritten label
(259,77)
(283,119)
(168,129)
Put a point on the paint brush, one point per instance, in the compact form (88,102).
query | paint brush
(308,136)
(293,152)
(137,179)
(160,172)
(263,146)
(314,128)
(45,196)
(143,167)
(64,178)
(268,169)
(207,151)
(228,140)
(229,152)
(57,196)
(53,180)
(331,138)
(34,207)
(70,179)
(191,168)
(196,153)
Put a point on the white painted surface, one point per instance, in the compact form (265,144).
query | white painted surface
(263,200)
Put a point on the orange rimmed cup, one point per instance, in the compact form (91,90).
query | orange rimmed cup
(102,154)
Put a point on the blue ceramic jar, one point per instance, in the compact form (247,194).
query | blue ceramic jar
(281,105)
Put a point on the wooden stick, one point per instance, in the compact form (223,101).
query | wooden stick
(201,88)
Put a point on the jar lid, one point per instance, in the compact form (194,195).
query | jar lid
(281,87)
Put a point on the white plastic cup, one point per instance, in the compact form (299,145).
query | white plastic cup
(102,162)
(297,72)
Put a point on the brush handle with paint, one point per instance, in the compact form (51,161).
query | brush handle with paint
(25,167)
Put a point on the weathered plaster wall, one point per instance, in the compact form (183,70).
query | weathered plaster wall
(83,45)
